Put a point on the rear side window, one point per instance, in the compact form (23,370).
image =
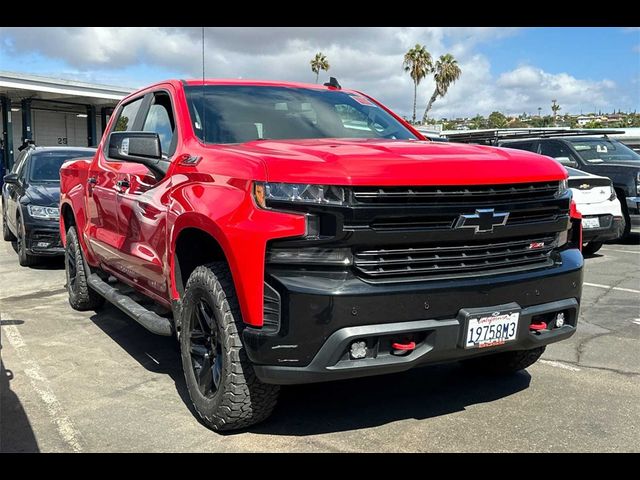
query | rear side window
(528,146)
(555,149)
(127,116)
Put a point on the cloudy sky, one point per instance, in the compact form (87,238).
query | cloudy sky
(513,70)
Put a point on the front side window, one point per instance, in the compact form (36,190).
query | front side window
(127,116)
(243,113)
(160,120)
(604,150)
(45,166)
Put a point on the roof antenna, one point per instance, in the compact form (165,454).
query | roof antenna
(333,83)
(204,116)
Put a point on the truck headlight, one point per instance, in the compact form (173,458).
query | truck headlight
(264,192)
(563,186)
(44,213)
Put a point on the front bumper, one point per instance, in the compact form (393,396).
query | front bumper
(323,312)
(611,228)
(43,238)
(633,207)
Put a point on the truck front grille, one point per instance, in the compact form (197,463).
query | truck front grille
(446,195)
(450,261)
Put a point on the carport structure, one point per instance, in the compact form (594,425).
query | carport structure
(52,111)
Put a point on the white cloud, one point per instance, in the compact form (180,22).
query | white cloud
(365,58)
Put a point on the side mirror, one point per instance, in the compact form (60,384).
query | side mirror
(567,162)
(11,179)
(138,147)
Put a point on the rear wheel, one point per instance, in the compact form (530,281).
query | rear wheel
(81,296)
(505,362)
(220,378)
(24,258)
(591,248)
(6,233)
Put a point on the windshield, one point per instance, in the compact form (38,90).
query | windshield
(45,166)
(242,113)
(603,150)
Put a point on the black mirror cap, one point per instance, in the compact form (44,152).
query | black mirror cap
(134,146)
(11,178)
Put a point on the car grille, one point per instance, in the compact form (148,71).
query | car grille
(53,238)
(469,259)
(468,195)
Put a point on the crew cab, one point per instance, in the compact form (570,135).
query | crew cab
(292,233)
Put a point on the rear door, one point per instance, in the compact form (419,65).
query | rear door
(103,235)
(143,205)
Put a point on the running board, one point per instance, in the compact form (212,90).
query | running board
(148,319)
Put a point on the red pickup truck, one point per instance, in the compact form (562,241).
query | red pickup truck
(290,233)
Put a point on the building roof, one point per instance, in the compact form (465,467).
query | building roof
(17,86)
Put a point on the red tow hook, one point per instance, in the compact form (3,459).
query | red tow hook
(538,326)
(402,348)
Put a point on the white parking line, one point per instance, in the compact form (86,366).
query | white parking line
(564,366)
(41,385)
(621,251)
(611,288)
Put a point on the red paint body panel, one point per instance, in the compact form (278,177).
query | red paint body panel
(132,233)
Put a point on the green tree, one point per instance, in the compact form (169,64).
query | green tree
(555,107)
(417,62)
(319,62)
(447,72)
(497,120)
(478,122)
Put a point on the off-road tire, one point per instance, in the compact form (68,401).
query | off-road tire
(7,236)
(81,296)
(505,362)
(591,248)
(240,399)
(24,259)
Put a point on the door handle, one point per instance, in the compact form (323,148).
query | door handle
(92,180)
(123,184)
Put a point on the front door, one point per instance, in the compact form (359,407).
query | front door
(143,206)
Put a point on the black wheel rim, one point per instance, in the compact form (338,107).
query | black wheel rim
(205,348)
(72,271)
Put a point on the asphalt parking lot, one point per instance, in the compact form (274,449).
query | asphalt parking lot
(91,382)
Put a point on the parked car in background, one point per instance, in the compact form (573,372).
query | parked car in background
(30,197)
(599,155)
(601,211)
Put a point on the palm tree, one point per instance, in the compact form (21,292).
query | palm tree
(447,72)
(554,108)
(417,61)
(318,63)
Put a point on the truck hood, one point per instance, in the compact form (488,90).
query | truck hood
(396,162)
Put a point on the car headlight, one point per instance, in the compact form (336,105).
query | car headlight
(45,213)
(638,183)
(264,192)
(563,186)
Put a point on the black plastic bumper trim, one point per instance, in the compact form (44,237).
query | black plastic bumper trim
(441,344)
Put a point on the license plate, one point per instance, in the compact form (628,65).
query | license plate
(491,329)
(591,222)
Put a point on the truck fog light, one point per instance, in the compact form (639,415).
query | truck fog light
(358,350)
(559,320)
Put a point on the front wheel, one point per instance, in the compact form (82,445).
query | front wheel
(24,258)
(591,248)
(505,362)
(220,378)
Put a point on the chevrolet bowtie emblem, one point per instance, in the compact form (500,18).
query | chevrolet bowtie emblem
(584,186)
(483,220)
